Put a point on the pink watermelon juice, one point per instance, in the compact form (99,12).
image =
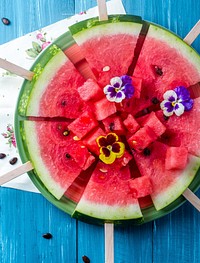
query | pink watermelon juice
(118,147)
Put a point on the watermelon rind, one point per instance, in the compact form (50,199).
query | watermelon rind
(108,213)
(171,193)
(174,41)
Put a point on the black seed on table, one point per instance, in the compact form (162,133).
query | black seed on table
(112,126)
(5,21)
(85,259)
(47,236)
(2,155)
(146,151)
(154,100)
(13,161)
(68,156)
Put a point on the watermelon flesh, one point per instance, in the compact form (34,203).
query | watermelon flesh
(167,185)
(63,146)
(103,197)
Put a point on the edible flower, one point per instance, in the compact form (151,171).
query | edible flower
(119,89)
(110,148)
(176,101)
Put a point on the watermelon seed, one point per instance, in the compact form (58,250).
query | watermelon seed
(2,155)
(103,170)
(13,161)
(146,151)
(158,70)
(166,118)
(106,68)
(66,133)
(154,100)
(76,138)
(63,103)
(112,126)
(68,156)
(85,259)
(5,21)
(47,236)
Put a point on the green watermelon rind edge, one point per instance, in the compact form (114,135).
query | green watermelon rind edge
(92,22)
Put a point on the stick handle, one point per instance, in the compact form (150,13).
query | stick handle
(16,172)
(193,34)
(102,10)
(109,242)
(26,74)
(192,198)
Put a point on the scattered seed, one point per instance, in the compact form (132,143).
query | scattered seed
(68,156)
(2,155)
(66,133)
(63,103)
(146,151)
(112,126)
(47,236)
(154,100)
(76,138)
(85,259)
(106,68)
(158,70)
(13,160)
(166,118)
(5,21)
(82,146)
(103,170)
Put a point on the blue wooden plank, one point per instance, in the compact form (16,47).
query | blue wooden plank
(25,217)
(90,242)
(176,236)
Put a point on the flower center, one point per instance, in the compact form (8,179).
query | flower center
(109,147)
(174,103)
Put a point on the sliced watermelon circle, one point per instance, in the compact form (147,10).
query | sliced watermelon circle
(50,113)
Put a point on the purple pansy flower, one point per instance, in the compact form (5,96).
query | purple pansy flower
(176,101)
(119,89)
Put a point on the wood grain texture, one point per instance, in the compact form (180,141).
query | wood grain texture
(25,217)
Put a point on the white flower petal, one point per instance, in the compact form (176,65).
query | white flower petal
(170,93)
(119,99)
(105,89)
(180,109)
(110,98)
(162,104)
(167,113)
(116,80)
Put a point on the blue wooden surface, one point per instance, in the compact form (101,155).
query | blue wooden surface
(25,217)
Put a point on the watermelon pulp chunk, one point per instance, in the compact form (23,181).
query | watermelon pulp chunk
(160,74)
(56,86)
(53,164)
(167,185)
(96,44)
(184,130)
(108,197)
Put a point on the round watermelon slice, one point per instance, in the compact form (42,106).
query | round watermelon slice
(61,114)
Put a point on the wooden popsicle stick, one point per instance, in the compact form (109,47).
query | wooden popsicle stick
(193,34)
(192,198)
(16,172)
(102,10)
(109,242)
(24,73)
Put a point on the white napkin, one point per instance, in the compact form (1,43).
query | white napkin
(15,51)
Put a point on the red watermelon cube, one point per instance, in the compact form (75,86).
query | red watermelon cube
(104,108)
(113,124)
(90,90)
(142,138)
(83,124)
(140,186)
(155,124)
(90,140)
(176,158)
(131,124)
